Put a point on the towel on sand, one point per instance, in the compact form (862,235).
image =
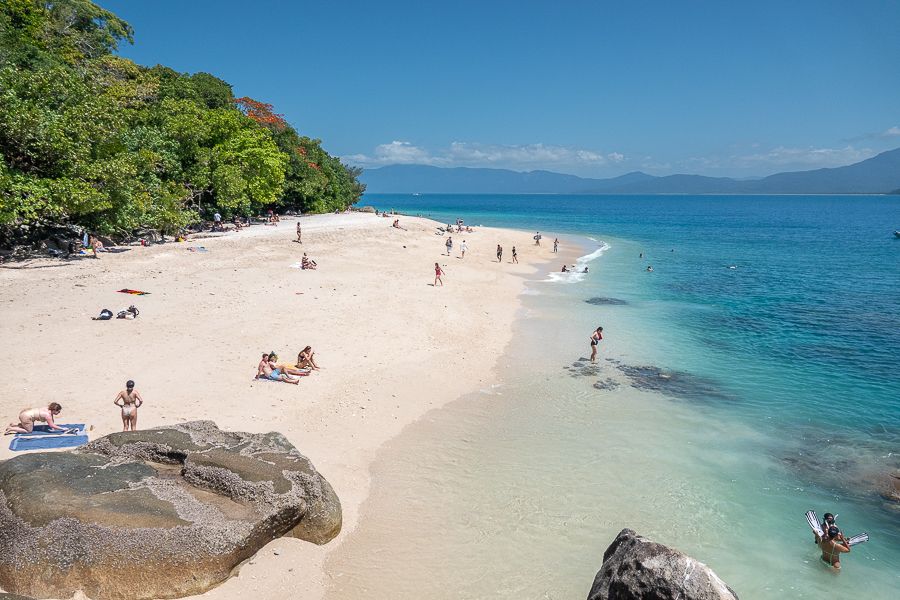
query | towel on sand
(133,292)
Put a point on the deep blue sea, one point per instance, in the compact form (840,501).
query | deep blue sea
(775,324)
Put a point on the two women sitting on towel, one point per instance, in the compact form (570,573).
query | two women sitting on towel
(307,263)
(30,416)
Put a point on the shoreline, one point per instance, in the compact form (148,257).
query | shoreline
(194,347)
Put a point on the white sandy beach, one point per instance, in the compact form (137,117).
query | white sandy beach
(390,346)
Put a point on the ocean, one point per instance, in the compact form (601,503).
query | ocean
(754,374)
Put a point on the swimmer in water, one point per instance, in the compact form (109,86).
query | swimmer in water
(649,268)
(833,546)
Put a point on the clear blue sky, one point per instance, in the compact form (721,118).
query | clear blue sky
(593,88)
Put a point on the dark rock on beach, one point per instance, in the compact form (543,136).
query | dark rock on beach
(601,301)
(635,568)
(161,513)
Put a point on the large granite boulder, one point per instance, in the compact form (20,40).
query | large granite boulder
(160,513)
(634,568)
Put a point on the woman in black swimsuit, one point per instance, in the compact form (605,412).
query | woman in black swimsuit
(595,339)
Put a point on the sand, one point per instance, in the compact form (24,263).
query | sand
(390,346)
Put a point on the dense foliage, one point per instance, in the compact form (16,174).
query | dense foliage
(90,138)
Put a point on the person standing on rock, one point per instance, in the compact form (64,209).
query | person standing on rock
(595,340)
(30,416)
(131,400)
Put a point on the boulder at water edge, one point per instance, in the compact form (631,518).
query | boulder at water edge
(160,513)
(634,568)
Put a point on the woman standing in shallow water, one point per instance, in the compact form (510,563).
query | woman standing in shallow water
(595,340)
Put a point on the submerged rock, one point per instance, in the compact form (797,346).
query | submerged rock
(607,384)
(161,513)
(601,301)
(672,383)
(635,568)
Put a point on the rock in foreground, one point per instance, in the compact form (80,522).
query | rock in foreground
(161,513)
(634,568)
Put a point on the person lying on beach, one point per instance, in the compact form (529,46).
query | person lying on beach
(266,370)
(307,263)
(105,315)
(130,401)
(833,546)
(30,416)
(128,313)
(286,368)
(305,359)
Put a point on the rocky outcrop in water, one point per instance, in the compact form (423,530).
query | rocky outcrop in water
(161,513)
(635,568)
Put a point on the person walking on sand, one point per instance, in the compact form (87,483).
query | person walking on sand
(515,256)
(499,253)
(556,245)
(299,234)
(462,249)
(595,339)
(437,275)
(130,401)
(449,245)
(537,238)
(30,416)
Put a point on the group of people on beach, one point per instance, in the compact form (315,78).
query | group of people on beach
(269,368)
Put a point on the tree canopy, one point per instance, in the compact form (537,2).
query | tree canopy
(93,139)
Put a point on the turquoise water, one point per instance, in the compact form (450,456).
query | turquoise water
(773,321)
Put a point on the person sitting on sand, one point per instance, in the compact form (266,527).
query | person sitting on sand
(267,371)
(305,359)
(833,546)
(130,401)
(307,263)
(30,416)
(237,223)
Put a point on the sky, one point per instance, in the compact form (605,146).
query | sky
(593,88)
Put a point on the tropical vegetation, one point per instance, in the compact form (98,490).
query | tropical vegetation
(92,139)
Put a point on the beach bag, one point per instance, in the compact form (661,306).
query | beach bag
(105,315)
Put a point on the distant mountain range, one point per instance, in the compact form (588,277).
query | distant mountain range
(877,175)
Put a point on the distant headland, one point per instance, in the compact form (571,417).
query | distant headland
(877,175)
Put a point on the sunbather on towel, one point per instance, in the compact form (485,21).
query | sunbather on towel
(307,263)
(30,416)
(267,370)
(284,367)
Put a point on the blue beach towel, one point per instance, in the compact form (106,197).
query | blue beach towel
(48,442)
(43,438)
